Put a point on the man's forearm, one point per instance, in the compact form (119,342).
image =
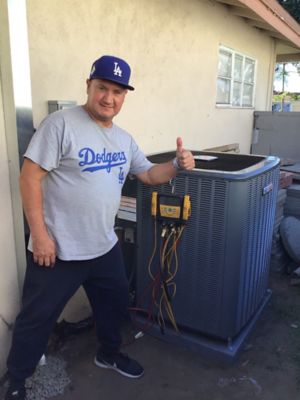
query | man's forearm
(161,173)
(43,246)
(32,198)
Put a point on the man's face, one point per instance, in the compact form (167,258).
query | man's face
(105,100)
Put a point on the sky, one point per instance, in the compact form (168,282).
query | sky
(292,82)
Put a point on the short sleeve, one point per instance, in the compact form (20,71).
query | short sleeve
(45,147)
(139,162)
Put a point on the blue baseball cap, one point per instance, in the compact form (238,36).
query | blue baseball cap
(113,69)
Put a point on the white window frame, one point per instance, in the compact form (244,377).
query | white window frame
(231,79)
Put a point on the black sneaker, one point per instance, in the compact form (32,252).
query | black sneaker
(121,363)
(14,393)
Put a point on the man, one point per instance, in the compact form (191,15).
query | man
(70,183)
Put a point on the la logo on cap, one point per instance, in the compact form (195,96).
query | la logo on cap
(113,69)
(117,70)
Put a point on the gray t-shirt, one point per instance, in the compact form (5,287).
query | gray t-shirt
(87,167)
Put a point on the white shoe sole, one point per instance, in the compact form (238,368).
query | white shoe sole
(115,368)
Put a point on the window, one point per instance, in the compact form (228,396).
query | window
(236,75)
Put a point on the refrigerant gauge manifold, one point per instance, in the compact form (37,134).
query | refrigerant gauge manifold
(171,208)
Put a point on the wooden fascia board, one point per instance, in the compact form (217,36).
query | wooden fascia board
(273,14)
(283,14)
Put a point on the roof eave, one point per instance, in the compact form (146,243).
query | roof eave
(276,16)
(268,16)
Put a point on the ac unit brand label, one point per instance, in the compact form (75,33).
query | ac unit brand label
(267,189)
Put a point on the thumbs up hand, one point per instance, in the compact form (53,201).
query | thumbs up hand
(185,158)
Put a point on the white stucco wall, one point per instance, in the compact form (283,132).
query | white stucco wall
(12,246)
(9,288)
(172,47)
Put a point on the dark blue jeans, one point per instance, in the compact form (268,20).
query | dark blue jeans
(46,292)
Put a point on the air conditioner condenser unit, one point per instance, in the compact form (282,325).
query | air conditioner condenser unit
(222,280)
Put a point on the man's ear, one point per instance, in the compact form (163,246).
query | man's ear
(88,82)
